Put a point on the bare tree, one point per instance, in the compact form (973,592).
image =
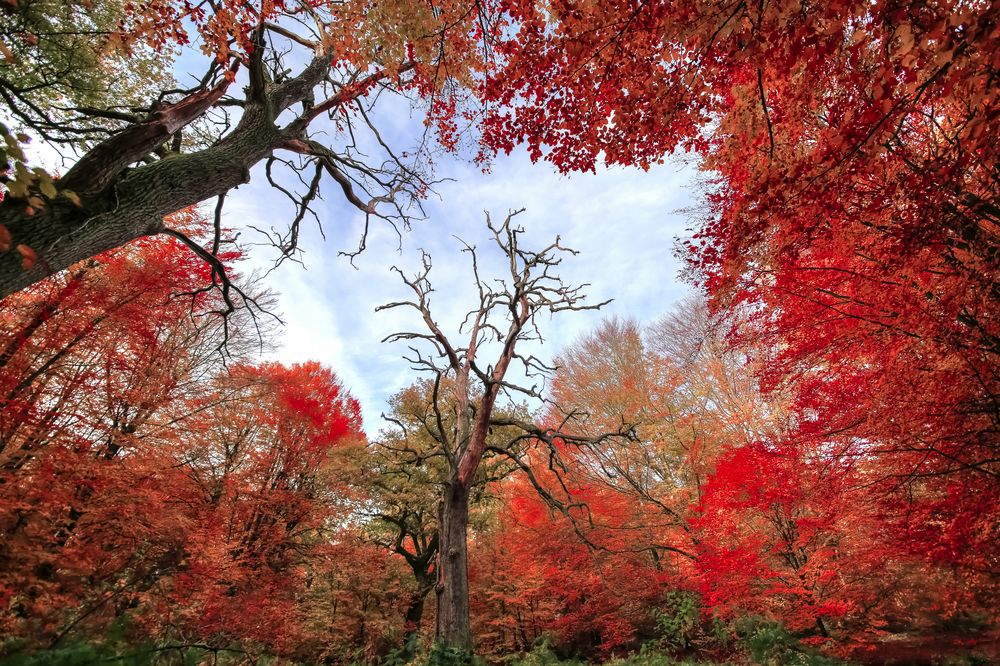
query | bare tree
(503,318)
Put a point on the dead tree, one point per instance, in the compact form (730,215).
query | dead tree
(475,375)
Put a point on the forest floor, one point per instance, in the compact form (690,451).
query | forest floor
(933,650)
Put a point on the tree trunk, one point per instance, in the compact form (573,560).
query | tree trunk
(453,628)
(133,206)
(414,614)
(121,202)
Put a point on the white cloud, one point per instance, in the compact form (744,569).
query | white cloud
(622,221)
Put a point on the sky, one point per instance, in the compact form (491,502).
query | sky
(623,222)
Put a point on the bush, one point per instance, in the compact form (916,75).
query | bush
(541,654)
(678,621)
(441,655)
(771,644)
(648,656)
(84,654)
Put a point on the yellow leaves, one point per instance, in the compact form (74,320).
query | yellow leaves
(73,197)
(390,33)
(34,185)
(47,188)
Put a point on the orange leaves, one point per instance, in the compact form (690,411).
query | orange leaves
(383,34)
(904,41)
(28,256)
(136,466)
(533,575)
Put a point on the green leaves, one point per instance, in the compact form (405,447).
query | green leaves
(25,182)
(678,619)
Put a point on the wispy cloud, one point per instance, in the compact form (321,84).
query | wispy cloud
(622,221)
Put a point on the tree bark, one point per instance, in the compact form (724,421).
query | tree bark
(453,628)
(414,614)
(120,203)
(411,627)
(134,205)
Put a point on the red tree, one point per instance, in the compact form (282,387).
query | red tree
(143,480)
(853,208)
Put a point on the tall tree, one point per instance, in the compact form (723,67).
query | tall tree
(405,468)
(465,389)
(406,472)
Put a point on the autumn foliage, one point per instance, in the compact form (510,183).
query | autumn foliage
(145,483)
(802,460)
(163,493)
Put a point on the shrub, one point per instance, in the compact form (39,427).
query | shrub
(441,655)
(678,621)
(541,654)
(771,644)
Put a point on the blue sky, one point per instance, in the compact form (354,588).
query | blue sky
(623,223)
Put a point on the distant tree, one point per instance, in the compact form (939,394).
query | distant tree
(146,488)
(729,497)
(403,474)
(403,469)
(688,396)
